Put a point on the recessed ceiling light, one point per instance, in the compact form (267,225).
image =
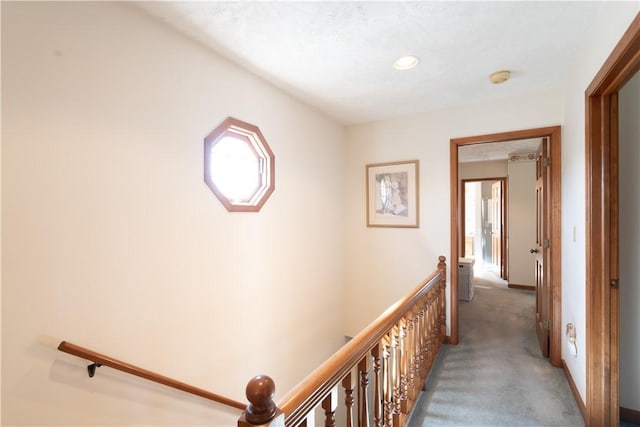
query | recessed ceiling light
(500,77)
(406,62)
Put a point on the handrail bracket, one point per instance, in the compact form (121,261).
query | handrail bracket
(91,369)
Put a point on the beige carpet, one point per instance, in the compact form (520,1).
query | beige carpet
(496,376)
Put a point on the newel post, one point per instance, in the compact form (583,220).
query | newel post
(262,410)
(442,264)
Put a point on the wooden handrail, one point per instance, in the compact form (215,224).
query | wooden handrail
(104,360)
(300,400)
(403,340)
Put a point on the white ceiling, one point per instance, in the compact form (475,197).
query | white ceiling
(337,56)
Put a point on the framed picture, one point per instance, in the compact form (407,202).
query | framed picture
(392,194)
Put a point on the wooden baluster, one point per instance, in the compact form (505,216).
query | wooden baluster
(416,345)
(440,330)
(420,344)
(329,404)
(437,327)
(437,340)
(423,340)
(347,384)
(394,334)
(442,266)
(432,332)
(409,358)
(416,352)
(432,341)
(395,372)
(363,398)
(425,337)
(437,333)
(377,384)
(262,410)
(387,394)
(428,336)
(403,367)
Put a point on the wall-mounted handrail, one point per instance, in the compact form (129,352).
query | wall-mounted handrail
(101,359)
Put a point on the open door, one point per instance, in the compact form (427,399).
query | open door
(543,295)
(498,225)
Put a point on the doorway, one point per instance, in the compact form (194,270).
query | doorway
(484,213)
(602,237)
(554,227)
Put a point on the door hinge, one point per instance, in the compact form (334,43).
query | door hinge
(547,324)
(546,243)
(614,283)
(546,162)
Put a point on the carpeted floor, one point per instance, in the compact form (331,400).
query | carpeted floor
(496,376)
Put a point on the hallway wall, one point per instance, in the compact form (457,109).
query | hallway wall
(629,107)
(522,222)
(477,170)
(112,240)
(615,19)
(383,264)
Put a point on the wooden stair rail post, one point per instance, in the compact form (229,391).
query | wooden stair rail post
(262,410)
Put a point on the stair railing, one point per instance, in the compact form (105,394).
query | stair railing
(101,359)
(398,350)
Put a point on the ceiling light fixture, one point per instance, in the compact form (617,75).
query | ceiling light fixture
(500,77)
(406,62)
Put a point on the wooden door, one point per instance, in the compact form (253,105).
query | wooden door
(543,294)
(496,224)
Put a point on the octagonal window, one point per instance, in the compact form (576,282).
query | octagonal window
(238,166)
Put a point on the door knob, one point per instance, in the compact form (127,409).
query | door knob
(534,251)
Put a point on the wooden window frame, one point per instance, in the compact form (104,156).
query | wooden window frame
(253,137)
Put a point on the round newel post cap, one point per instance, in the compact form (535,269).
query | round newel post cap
(260,392)
(442,264)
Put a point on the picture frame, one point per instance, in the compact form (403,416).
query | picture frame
(392,194)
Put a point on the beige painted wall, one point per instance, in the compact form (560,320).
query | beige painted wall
(629,107)
(384,263)
(615,19)
(111,239)
(478,170)
(522,222)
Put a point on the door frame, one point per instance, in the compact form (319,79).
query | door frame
(554,135)
(503,219)
(602,400)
